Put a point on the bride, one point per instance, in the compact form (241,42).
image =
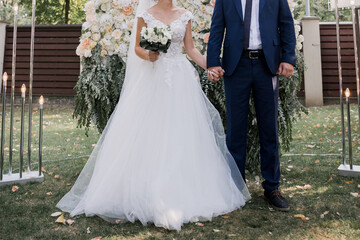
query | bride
(162,157)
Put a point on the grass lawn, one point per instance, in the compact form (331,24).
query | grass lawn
(309,180)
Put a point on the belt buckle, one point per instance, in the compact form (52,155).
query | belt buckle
(255,56)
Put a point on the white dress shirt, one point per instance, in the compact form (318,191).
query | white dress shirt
(255,38)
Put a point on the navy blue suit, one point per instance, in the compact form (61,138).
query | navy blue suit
(259,75)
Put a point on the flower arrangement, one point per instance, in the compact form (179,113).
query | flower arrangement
(156,39)
(108,24)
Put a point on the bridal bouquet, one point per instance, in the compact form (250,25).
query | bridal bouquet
(156,39)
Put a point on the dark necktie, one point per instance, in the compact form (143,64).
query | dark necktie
(247,21)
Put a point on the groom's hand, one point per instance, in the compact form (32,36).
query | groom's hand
(215,73)
(286,69)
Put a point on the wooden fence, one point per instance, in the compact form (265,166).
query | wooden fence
(56,66)
(329,59)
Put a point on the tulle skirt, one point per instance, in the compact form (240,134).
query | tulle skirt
(162,158)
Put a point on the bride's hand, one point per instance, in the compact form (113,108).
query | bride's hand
(153,56)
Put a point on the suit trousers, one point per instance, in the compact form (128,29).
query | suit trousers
(254,75)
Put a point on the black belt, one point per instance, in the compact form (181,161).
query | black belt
(253,54)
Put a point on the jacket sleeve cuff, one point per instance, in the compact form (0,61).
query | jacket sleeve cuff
(291,60)
(213,63)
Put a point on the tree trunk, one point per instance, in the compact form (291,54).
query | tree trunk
(67,11)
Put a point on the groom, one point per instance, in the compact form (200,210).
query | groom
(259,45)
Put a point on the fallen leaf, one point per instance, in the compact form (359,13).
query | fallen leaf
(354,194)
(14,188)
(51,173)
(225,216)
(358,185)
(330,179)
(317,161)
(324,213)
(301,216)
(117,221)
(61,219)
(49,193)
(88,230)
(310,146)
(307,186)
(43,169)
(350,182)
(70,222)
(56,176)
(199,224)
(216,230)
(56,214)
(339,214)
(97,238)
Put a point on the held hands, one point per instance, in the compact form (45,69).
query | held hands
(215,73)
(153,56)
(286,69)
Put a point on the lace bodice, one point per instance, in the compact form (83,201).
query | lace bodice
(178,29)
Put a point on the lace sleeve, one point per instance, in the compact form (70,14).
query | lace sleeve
(186,17)
(146,16)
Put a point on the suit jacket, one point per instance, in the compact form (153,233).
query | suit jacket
(276,30)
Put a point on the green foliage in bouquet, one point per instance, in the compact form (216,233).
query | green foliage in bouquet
(98,89)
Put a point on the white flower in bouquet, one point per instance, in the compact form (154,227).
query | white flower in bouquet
(297,29)
(96,37)
(80,51)
(106,6)
(86,25)
(300,38)
(122,49)
(87,35)
(92,45)
(130,25)
(95,28)
(116,34)
(299,46)
(106,18)
(209,9)
(116,13)
(91,19)
(87,53)
(90,7)
(126,37)
(103,53)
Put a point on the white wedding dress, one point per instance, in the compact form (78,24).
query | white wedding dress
(162,157)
